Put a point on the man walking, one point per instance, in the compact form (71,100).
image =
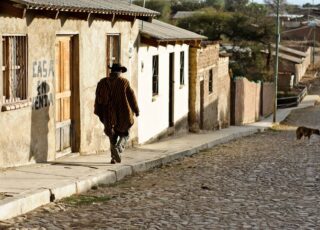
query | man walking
(115,104)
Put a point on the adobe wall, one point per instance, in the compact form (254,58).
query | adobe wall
(268,94)
(28,134)
(208,110)
(247,101)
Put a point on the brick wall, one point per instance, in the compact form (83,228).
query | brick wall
(208,110)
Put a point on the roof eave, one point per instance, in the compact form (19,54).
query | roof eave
(160,39)
(155,41)
(33,6)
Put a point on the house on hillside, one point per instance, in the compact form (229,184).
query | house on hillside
(305,33)
(52,55)
(209,88)
(163,78)
(292,61)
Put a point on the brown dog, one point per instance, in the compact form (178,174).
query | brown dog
(306,132)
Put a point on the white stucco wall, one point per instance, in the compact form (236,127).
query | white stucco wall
(154,111)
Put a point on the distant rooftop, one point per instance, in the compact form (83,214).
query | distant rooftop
(183,14)
(290,16)
(292,51)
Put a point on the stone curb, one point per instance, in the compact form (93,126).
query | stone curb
(18,205)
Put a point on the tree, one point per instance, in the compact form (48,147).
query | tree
(163,7)
(273,5)
(235,5)
(209,23)
(255,11)
(218,4)
(185,5)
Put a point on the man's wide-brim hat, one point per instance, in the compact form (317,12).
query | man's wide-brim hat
(117,68)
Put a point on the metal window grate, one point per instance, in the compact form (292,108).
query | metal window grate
(14,68)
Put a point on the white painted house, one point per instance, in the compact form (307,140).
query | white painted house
(163,79)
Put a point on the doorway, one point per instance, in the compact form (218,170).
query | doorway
(201,104)
(171,90)
(67,117)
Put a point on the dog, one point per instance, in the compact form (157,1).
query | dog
(306,132)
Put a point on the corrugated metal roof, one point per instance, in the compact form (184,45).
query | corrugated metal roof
(122,7)
(162,31)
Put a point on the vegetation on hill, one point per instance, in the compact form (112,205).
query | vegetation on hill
(245,26)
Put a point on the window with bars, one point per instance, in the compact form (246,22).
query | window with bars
(14,68)
(155,75)
(182,68)
(210,81)
(113,50)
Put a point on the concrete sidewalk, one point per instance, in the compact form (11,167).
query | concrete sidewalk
(23,189)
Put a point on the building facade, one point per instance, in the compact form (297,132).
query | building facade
(163,79)
(51,58)
(209,96)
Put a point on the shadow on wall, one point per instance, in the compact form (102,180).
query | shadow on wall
(39,124)
(210,118)
(215,118)
(180,127)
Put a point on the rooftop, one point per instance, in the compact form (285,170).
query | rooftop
(162,31)
(183,14)
(290,50)
(117,7)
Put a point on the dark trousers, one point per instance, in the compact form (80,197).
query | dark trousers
(119,140)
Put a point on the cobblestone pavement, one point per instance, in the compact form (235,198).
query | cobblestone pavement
(265,181)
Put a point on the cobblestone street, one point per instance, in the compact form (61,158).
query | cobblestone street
(265,181)
(268,180)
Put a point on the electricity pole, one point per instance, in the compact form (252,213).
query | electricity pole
(314,39)
(276,63)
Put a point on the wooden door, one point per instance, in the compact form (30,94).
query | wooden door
(201,104)
(171,90)
(63,97)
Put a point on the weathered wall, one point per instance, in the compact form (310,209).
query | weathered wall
(247,101)
(154,114)
(301,69)
(208,110)
(268,93)
(29,133)
(284,81)
(224,92)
